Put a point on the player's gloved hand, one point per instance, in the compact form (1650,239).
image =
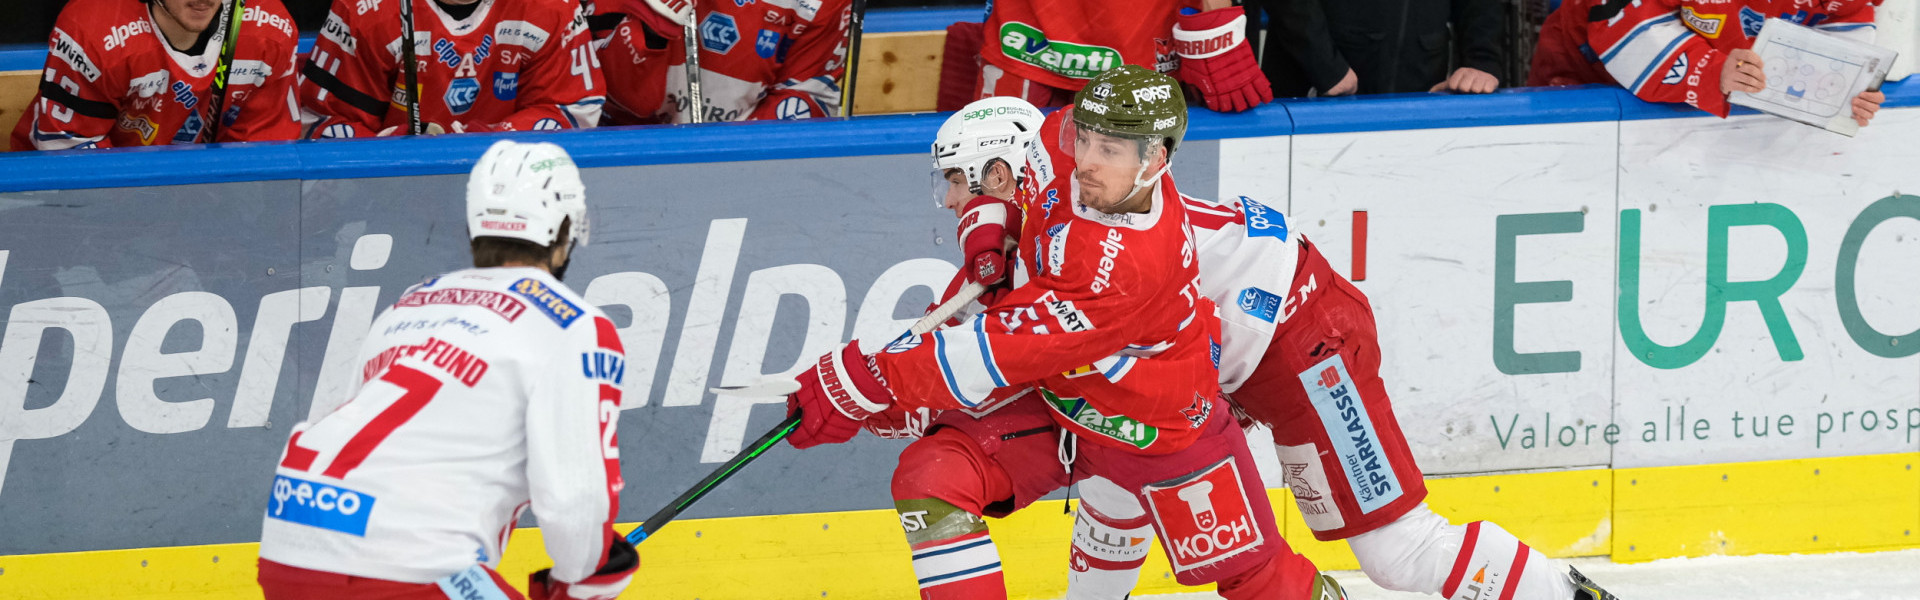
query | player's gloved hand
(605,583)
(986,229)
(1217,62)
(901,423)
(667,20)
(839,392)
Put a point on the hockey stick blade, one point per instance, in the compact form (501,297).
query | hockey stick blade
(764,389)
(932,320)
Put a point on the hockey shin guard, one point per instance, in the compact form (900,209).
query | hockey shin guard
(1421,552)
(1107,551)
(953,554)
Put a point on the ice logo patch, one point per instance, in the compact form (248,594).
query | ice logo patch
(719,33)
(506,85)
(767,44)
(319,505)
(461,94)
(1750,21)
(1350,428)
(1260,303)
(1677,72)
(190,130)
(1263,221)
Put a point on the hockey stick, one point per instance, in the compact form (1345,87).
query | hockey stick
(855,25)
(695,102)
(410,67)
(217,95)
(932,321)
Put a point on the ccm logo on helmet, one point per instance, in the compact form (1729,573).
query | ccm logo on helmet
(996,142)
(1153,93)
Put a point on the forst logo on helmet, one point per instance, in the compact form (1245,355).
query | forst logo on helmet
(1153,93)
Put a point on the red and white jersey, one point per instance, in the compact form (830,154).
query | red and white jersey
(1110,324)
(112,80)
(1247,264)
(759,59)
(483,392)
(510,65)
(1674,50)
(1063,43)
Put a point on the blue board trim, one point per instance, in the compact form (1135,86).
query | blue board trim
(815,138)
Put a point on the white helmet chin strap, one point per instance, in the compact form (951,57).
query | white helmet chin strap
(1141,183)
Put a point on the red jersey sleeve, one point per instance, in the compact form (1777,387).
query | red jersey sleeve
(76,105)
(809,77)
(261,85)
(346,86)
(561,86)
(1649,49)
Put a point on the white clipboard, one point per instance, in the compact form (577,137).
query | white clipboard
(1813,77)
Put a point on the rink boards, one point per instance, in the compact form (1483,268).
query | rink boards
(1581,389)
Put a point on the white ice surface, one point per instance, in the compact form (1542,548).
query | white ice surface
(1871,576)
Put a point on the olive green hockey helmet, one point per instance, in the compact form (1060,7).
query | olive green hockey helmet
(1133,102)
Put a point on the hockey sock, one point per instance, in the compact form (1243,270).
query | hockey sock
(1284,576)
(1107,554)
(1421,552)
(953,554)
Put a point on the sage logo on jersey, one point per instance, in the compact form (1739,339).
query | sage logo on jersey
(1355,442)
(1205,517)
(320,505)
(547,300)
(1260,303)
(69,50)
(118,36)
(506,86)
(461,94)
(718,33)
(1263,221)
(1028,44)
(1121,428)
(1109,250)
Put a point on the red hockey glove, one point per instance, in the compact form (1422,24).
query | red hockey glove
(839,392)
(1217,62)
(986,230)
(901,423)
(663,22)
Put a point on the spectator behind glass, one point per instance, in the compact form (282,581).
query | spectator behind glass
(1340,47)
(132,73)
(1692,51)
(484,65)
(779,59)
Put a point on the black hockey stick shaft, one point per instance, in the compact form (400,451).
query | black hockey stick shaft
(855,25)
(409,67)
(217,95)
(713,480)
(931,321)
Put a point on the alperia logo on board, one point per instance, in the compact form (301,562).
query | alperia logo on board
(1027,44)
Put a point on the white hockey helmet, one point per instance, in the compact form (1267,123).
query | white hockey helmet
(524,191)
(1001,128)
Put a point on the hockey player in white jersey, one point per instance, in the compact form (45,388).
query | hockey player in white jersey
(1287,359)
(482,393)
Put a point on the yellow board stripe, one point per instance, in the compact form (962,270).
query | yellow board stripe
(1807,505)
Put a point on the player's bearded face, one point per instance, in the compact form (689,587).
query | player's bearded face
(194,15)
(1105,168)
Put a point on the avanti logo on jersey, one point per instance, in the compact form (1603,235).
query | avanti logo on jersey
(506,86)
(547,300)
(1260,303)
(718,33)
(1028,44)
(1263,221)
(1120,428)
(320,505)
(1206,518)
(461,94)
(1350,428)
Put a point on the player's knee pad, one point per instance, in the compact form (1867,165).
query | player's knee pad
(946,464)
(1111,538)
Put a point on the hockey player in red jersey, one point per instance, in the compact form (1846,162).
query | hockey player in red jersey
(484,65)
(485,392)
(138,73)
(1110,331)
(1043,52)
(1287,358)
(1692,51)
(764,59)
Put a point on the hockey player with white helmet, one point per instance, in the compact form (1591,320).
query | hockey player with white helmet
(482,393)
(1266,355)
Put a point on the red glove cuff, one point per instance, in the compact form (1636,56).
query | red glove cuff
(1209,34)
